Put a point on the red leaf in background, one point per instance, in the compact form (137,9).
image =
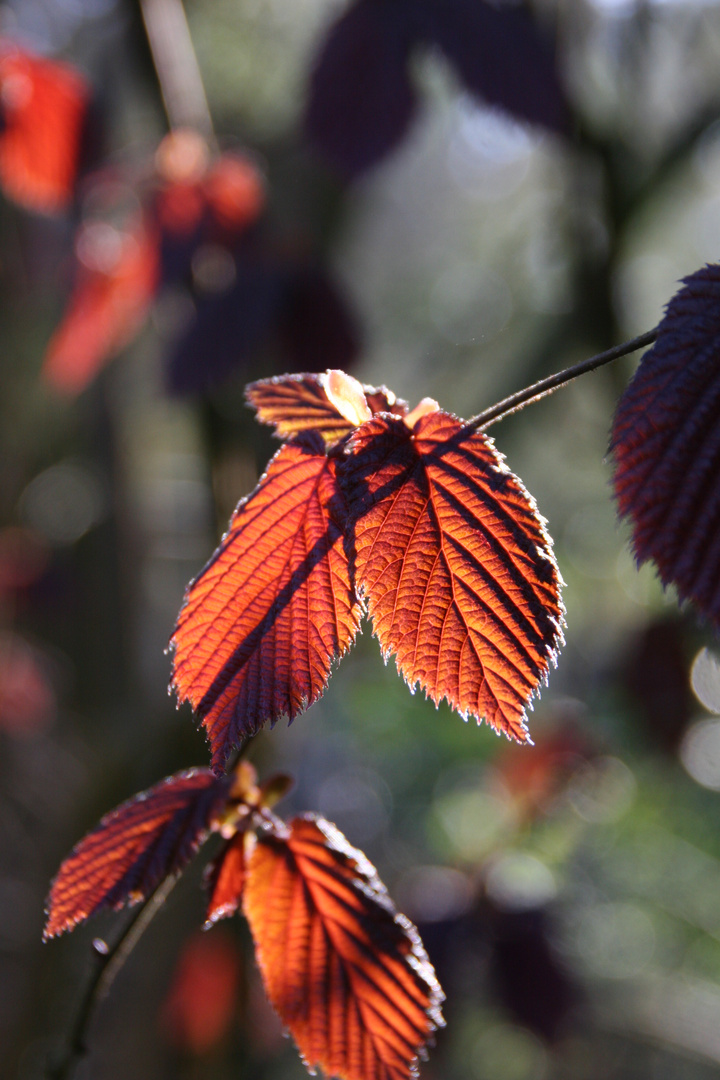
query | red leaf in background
(27,698)
(225,878)
(666,444)
(117,278)
(455,564)
(43,105)
(135,847)
(292,404)
(348,976)
(266,618)
(200,1007)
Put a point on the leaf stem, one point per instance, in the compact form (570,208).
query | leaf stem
(176,65)
(108,962)
(547,386)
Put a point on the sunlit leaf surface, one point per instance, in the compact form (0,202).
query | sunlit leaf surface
(135,847)
(456,566)
(348,976)
(225,878)
(292,404)
(273,608)
(666,444)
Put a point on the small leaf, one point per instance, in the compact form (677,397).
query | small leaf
(346,394)
(273,608)
(360,100)
(135,847)
(296,403)
(348,976)
(116,281)
(456,566)
(225,879)
(666,445)
(43,107)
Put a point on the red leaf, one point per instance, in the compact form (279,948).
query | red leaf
(273,608)
(456,566)
(348,976)
(292,404)
(666,444)
(225,878)
(200,1007)
(43,105)
(135,847)
(117,278)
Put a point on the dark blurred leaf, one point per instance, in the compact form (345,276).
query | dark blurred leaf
(666,444)
(317,328)
(360,98)
(500,55)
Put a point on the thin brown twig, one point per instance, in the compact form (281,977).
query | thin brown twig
(108,961)
(176,65)
(552,382)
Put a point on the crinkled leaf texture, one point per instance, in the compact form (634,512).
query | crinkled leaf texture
(453,558)
(666,444)
(44,106)
(348,976)
(274,607)
(135,847)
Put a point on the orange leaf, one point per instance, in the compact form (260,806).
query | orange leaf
(225,878)
(43,105)
(117,278)
(456,566)
(296,403)
(273,608)
(348,976)
(199,1010)
(135,847)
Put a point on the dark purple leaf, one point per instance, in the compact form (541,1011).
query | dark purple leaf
(360,100)
(500,55)
(666,444)
(317,327)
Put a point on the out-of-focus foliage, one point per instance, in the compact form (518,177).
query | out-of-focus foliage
(479,256)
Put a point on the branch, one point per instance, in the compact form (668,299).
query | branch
(176,65)
(547,386)
(108,961)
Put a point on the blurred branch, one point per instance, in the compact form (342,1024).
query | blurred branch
(547,386)
(108,961)
(176,65)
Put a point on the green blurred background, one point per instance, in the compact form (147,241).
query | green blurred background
(569,894)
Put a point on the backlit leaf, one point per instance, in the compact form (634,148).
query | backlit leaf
(348,976)
(666,444)
(116,281)
(296,403)
(266,618)
(456,566)
(225,879)
(43,105)
(135,847)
